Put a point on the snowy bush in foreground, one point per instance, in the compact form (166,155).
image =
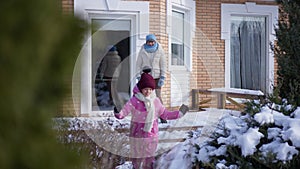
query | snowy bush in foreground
(264,136)
(84,134)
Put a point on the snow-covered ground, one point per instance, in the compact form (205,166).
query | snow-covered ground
(182,154)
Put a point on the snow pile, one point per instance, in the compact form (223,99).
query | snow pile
(246,138)
(126,165)
(283,138)
(265,117)
(248,141)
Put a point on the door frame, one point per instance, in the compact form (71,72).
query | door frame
(117,9)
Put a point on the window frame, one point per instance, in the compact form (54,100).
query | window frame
(187,41)
(250,9)
(87,94)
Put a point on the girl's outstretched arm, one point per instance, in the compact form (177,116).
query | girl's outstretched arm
(127,108)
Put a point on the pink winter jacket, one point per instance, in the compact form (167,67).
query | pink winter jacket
(139,114)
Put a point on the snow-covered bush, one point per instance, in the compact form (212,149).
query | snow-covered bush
(83,134)
(265,135)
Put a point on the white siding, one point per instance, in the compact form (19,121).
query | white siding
(180,87)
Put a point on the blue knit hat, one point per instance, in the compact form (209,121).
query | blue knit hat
(112,48)
(150,37)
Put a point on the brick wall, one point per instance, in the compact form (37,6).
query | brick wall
(67,108)
(67,6)
(210,47)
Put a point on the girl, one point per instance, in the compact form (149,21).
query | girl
(145,109)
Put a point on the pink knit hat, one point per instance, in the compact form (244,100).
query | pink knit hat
(146,81)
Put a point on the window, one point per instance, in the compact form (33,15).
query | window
(180,28)
(248,52)
(177,45)
(248,30)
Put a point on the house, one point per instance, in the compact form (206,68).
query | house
(208,44)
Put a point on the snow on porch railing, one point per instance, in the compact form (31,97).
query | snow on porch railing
(223,95)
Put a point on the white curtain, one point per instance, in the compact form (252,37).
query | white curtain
(248,53)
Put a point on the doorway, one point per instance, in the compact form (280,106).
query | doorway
(107,33)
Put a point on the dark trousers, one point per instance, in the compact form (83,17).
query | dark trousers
(108,80)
